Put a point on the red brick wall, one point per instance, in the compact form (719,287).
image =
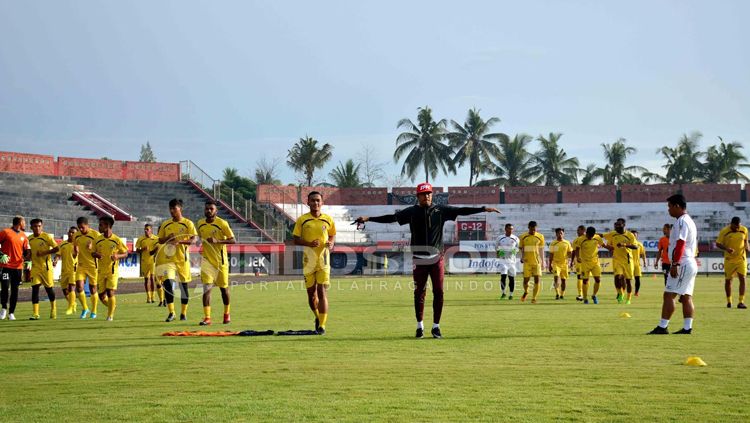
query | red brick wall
(474,195)
(90,168)
(721,193)
(589,194)
(32,164)
(363,196)
(535,195)
(647,193)
(277,194)
(152,171)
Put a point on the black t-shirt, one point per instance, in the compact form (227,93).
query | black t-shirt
(426,225)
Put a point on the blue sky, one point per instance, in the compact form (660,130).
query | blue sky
(224,83)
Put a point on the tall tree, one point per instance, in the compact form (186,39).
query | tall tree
(683,162)
(423,146)
(474,143)
(372,171)
(723,163)
(512,165)
(266,171)
(305,157)
(346,175)
(552,163)
(147,154)
(589,174)
(615,172)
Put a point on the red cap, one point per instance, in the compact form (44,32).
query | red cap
(424,187)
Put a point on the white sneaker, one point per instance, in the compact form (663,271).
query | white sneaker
(11,317)
(109,319)
(3,314)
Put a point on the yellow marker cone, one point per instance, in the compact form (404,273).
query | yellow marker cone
(695,361)
(625,315)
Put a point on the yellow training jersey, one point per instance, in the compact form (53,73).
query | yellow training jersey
(621,254)
(215,254)
(560,251)
(530,245)
(69,262)
(588,251)
(640,252)
(182,230)
(108,247)
(730,239)
(309,228)
(41,243)
(147,243)
(85,244)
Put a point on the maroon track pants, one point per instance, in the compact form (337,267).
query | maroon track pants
(436,272)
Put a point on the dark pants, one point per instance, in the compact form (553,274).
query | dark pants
(665,269)
(10,279)
(435,271)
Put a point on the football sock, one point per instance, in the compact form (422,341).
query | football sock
(537,288)
(580,287)
(585,290)
(226,309)
(94,302)
(207,312)
(729,299)
(420,325)
(53,309)
(183,309)
(170,307)
(111,306)
(71,297)
(161,294)
(688,323)
(323,319)
(637,284)
(82,299)
(435,325)
(502,283)
(664,323)
(742,299)
(511,284)
(35,309)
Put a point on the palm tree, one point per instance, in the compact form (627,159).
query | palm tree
(589,174)
(513,163)
(615,172)
(552,163)
(423,146)
(723,163)
(346,175)
(305,157)
(473,143)
(684,161)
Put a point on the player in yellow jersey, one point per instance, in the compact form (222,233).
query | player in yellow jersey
(145,247)
(560,251)
(581,232)
(531,244)
(215,235)
(108,250)
(42,247)
(83,247)
(173,258)
(639,256)
(733,240)
(587,255)
(69,261)
(316,232)
(621,242)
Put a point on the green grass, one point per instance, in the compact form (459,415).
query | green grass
(499,360)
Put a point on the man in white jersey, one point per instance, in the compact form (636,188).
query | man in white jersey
(507,249)
(683,269)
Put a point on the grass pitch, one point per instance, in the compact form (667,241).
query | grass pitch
(499,360)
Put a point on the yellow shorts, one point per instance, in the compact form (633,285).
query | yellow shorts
(67,279)
(320,277)
(623,268)
(82,274)
(561,270)
(106,282)
(593,269)
(178,272)
(210,274)
(44,278)
(738,268)
(148,270)
(530,270)
(637,271)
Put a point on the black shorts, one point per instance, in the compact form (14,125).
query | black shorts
(12,276)
(665,267)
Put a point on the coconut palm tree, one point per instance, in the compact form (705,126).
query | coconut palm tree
(346,175)
(512,165)
(683,162)
(305,156)
(474,143)
(723,163)
(552,163)
(615,172)
(423,146)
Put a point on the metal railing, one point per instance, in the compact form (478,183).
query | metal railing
(192,172)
